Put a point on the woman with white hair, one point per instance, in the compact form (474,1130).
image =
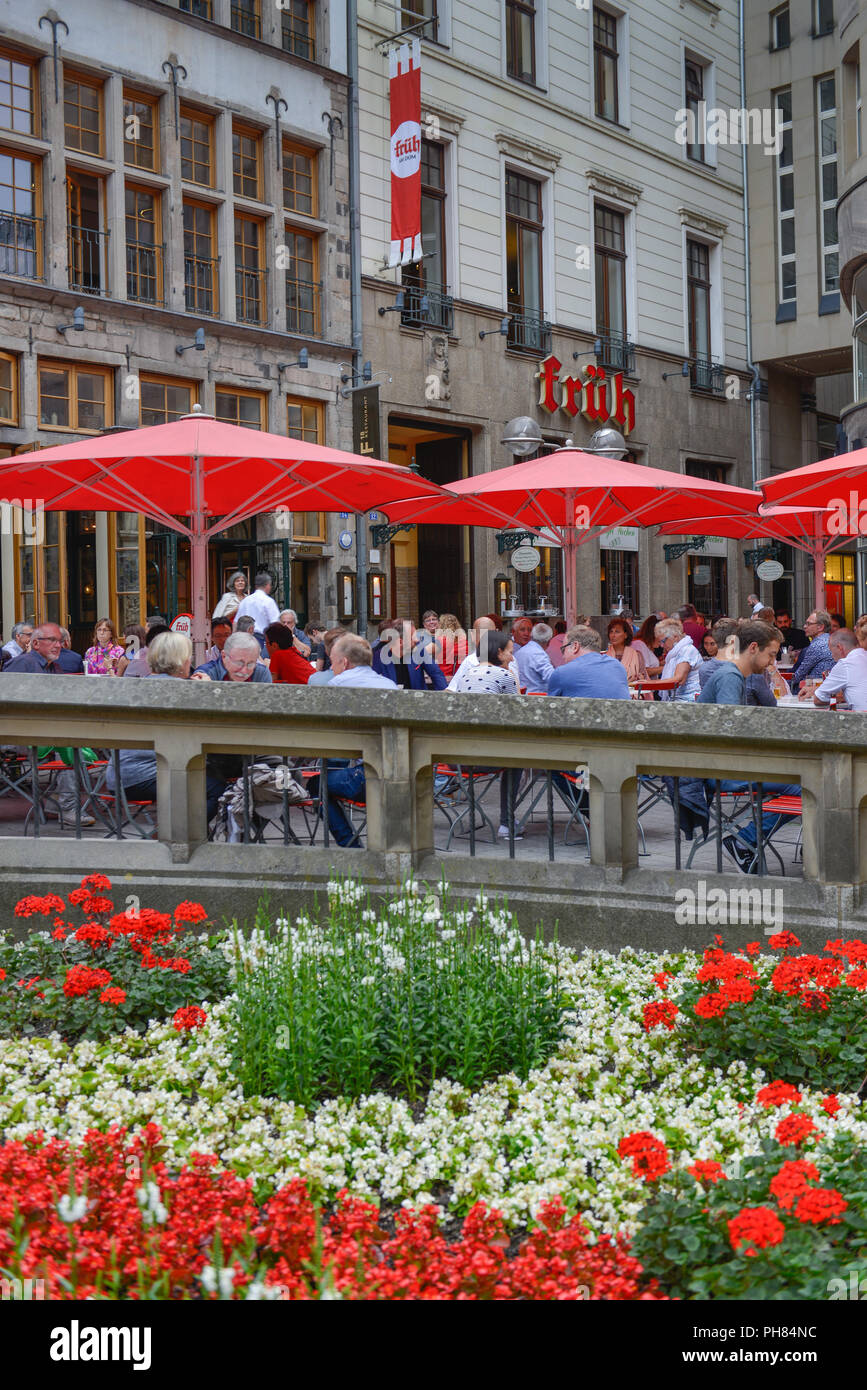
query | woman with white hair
(680,661)
(289,618)
(236,590)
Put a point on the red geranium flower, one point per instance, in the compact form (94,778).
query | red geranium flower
(795,1129)
(662,979)
(191,1017)
(857,978)
(94,935)
(783,940)
(30,906)
(97,883)
(752,948)
(755,1227)
(190,912)
(2,975)
(649,1155)
(113,995)
(792,1181)
(663,1013)
(80,979)
(778,1093)
(707,1170)
(59,934)
(710,1006)
(830,1105)
(820,1204)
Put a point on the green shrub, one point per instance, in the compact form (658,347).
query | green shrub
(390,998)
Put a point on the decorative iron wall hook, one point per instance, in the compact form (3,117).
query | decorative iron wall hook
(275,97)
(174,69)
(55,23)
(331,122)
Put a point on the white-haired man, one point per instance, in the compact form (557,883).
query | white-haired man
(351,659)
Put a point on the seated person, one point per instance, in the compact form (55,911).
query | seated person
(285,665)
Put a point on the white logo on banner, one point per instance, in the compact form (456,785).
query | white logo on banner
(406,150)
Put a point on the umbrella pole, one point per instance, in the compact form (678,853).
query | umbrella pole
(570,553)
(199,569)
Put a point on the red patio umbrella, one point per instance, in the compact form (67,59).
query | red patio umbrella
(577,496)
(199,476)
(801,527)
(836,485)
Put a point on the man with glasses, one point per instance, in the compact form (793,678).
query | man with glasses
(816,660)
(587,671)
(238,661)
(18,644)
(46,644)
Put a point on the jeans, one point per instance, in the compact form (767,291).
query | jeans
(510,780)
(343,780)
(771,820)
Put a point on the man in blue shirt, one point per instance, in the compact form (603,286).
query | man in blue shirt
(816,660)
(587,672)
(534,667)
(238,661)
(758,645)
(351,662)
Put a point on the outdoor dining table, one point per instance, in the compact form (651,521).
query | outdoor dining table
(643,683)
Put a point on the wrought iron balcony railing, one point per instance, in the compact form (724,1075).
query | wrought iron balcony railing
(529,332)
(303,307)
(708,376)
(144,273)
(20,246)
(201,285)
(249,295)
(298,38)
(201,8)
(614,351)
(246,21)
(88,260)
(429,306)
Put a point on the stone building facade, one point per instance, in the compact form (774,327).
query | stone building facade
(168,169)
(564,216)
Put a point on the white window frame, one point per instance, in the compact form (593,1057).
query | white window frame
(627,211)
(858,145)
(708,67)
(546,178)
(717,321)
(775,48)
(781,217)
(817,33)
(624,108)
(444,24)
(823,205)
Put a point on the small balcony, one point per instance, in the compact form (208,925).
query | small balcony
(529,332)
(427,306)
(249,295)
(615,352)
(144,273)
(21,246)
(87,251)
(303,307)
(201,285)
(297,37)
(707,376)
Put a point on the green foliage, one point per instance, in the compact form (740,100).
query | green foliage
(393,998)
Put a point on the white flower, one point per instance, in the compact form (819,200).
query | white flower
(72,1209)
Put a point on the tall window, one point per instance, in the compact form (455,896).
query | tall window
(162,399)
(86,235)
(126,551)
(201,277)
(246,408)
(618,573)
(413,11)
(246,18)
(144,269)
(197,148)
(786,201)
(202,8)
(781,32)
(858,107)
(826,147)
(140,132)
(8,389)
(18,105)
(707,584)
(698,299)
(249,272)
(306,420)
(298,27)
(247,163)
(428,276)
(303,293)
(694,88)
(20,220)
(82,115)
(605,64)
(521,40)
(523,256)
(610,254)
(74,398)
(823,16)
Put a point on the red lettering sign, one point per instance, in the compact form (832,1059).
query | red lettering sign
(592,398)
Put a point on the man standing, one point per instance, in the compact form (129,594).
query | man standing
(260,607)
(816,659)
(351,663)
(758,645)
(587,672)
(534,668)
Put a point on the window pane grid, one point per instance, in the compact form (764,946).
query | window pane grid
(246,409)
(694,82)
(20,227)
(826,115)
(74,398)
(249,277)
(298,25)
(787,287)
(605,57)
(139,116)
(201,278)
(82,116)
(302,284)
(161,400)
(521,40)
(245,164)
(17,95)
(299,180)
(305,420)
(196,144)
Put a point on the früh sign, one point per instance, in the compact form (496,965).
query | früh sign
(405,90)
(596,398)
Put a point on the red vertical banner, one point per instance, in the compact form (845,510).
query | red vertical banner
(404,72)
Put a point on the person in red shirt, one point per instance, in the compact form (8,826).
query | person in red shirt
(693,625)
(287,666)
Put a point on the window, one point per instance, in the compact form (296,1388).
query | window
(144,268)
(605,64)
(127,551)
(698,299)
(20,222)
(823,17)
(531,587)
(140,132)
(309,526)
(197,148)
(82,115)
(610,258)
(524,259)
(618,573)
(858,108)
(202,8)
(707,584)
(426,280)
(161,399)
(8,389)
(694,84)
(86,237)
(201,277)
(786,201)
(521,40)
(303,293)
(298,28)
(18,104)
(246,161)
(236,407)
(75,398)
(249,275)
(305,420)
(781,32)
(300,177)
(826,148)
(41,573)
(246,18)
(714,472)
(827,427)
